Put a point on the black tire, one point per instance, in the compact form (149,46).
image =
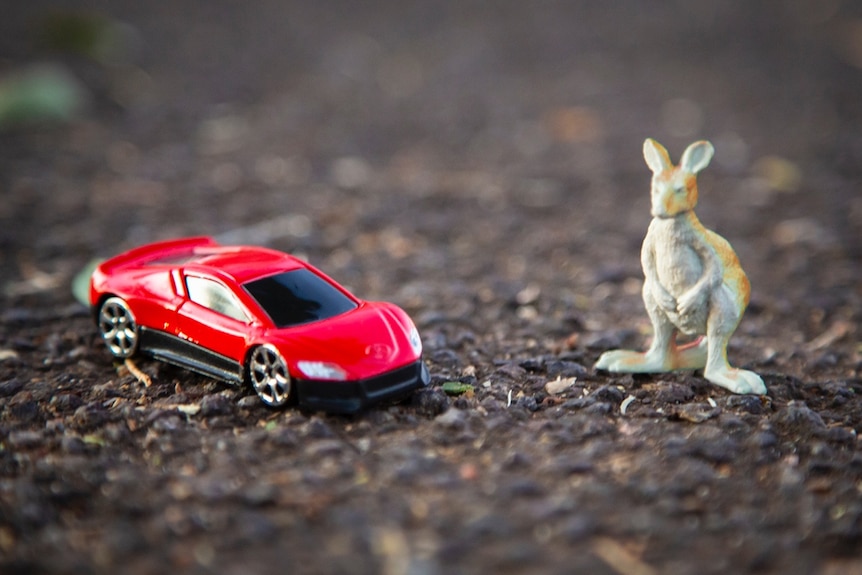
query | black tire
(118,327)
(269,377)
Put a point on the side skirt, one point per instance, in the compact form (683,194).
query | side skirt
(177,351)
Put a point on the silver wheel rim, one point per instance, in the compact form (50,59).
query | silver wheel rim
(117,325)
(269,375)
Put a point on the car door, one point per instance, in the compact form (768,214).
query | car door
(214,323)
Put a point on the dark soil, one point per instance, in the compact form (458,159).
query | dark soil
(480,165)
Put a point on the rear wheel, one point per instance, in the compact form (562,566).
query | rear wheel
(118,328)
(269,376)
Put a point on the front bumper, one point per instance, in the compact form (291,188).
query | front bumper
(354,396)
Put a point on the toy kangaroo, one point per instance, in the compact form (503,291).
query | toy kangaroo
(693,284)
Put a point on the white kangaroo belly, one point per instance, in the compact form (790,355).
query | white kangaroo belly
(678,268)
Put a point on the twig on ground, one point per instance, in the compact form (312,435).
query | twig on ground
(139,375)
(619,558)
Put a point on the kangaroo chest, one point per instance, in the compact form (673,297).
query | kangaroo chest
(678,264)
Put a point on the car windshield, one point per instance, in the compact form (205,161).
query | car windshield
(297,297)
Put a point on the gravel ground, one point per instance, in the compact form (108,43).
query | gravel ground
(479,165)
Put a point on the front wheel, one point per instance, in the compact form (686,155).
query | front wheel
(269,377)
(118,328)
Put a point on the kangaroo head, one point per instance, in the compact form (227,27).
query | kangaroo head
(674,188)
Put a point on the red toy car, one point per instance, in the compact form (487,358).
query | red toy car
(253,314)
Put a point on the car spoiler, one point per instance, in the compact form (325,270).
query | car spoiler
(156,251)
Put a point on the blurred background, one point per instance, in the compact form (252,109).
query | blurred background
(472,144)
(479,164)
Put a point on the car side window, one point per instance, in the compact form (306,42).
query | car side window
(215,296)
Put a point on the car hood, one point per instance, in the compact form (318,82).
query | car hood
(366,341)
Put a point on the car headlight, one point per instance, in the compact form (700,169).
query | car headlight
(415,340)
(321,370)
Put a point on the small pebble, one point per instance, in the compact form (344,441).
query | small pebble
(558,386)
(451,419)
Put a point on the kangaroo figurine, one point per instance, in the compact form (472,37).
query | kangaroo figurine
(693,284)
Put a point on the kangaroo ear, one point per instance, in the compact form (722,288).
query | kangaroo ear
(656,156)
(697,156)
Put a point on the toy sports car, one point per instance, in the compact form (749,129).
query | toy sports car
(250,314)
